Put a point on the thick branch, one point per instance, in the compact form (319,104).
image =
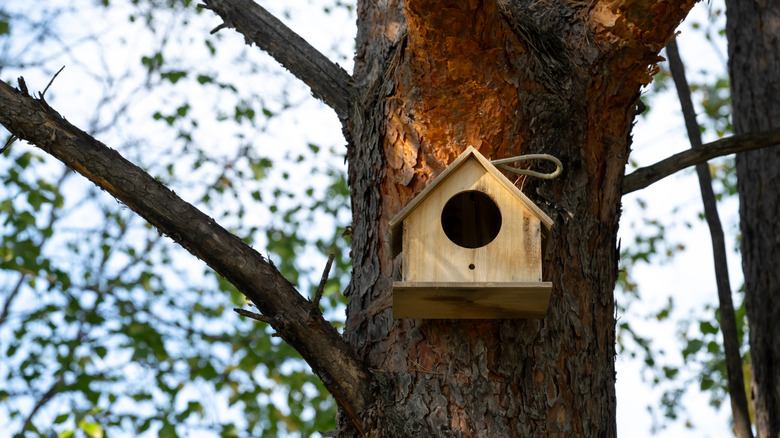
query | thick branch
(315,339)
(728,324)
(645,176)
(327,80)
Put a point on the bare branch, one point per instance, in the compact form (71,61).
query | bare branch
(254,315)
(323,280)
(51,81)
(728,324)
(11,296)
(645,176)
(327,80)
(45,398)
(8,143)
(315,339)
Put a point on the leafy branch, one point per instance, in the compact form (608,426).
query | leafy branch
(308,332)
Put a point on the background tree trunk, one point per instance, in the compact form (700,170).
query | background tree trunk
(754,66)
(435,77)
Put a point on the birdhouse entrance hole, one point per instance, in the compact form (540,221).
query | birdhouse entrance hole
(471,219)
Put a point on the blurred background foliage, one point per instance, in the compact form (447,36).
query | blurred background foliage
(698,365)
(109,329)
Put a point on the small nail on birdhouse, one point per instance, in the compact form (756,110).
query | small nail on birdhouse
(472,247)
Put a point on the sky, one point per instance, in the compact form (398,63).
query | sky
(688,278)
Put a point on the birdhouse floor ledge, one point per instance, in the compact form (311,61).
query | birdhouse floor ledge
(469,300)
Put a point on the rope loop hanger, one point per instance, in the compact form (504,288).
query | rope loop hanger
(502,164)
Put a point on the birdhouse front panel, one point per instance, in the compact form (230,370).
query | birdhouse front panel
(471,229)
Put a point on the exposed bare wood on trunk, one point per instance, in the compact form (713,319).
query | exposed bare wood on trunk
(754,67)
(295,318)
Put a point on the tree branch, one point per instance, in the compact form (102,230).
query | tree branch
(254,315)
(728,324)
(645,176)
(45,398)
(311,335)
(323,280)
(327,80)
(11,296)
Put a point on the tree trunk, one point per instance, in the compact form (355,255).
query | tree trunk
(754,66)
(434,77)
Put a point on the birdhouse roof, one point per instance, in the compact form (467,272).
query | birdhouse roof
(396,228)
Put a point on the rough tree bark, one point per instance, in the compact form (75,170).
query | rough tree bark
(752,30)
(430,79)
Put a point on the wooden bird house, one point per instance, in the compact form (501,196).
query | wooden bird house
(472,247)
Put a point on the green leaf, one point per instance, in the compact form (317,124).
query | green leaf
(259,168)
(707,328)
(174,76)
(670,372)
(182,110)
(203,79)
(92,430)
(101,351)
(167,431)
(229,431)
(693,347)
(153,62)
